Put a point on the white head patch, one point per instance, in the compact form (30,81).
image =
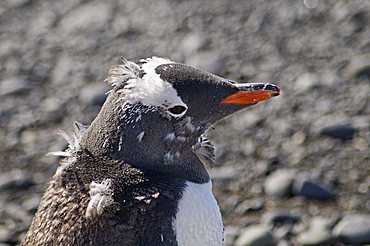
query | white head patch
(150,90)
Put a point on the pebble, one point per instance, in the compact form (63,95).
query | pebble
(13,85)
(279,183)
(31,204)
(311,190)
(250,205)
(277,217)
(94,94)
(15,179)
(223,173)
(318,233)
(64,66)
(353,229)
(357,66)
(343,132)
(307,81)
(5,235)
(206,60)
(91,16)
(256,235)
(230,234)
(193,42)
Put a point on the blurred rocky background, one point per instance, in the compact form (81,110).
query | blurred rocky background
(294,170)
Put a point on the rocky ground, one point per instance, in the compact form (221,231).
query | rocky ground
(294,170)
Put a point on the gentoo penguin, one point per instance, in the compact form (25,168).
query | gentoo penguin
(136,175)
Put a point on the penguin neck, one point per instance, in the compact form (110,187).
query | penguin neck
(144,140)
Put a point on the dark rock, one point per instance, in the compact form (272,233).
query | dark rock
(311,190)
(358,21)
(279,183)
(344,132)
(353,229)
(277,217)
(256,235)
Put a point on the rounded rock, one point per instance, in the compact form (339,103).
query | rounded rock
(94,94)
(343,132)
(353,229)
(256,235)
(277,217)
(318,233)
(91,16)
(279,183)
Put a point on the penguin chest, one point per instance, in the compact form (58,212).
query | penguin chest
(198,219)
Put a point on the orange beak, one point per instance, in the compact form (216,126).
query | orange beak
(252,93)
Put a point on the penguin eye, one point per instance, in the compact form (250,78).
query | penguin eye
(178,109)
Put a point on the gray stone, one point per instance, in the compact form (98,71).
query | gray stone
(357,66)
(15,179)
(307,81)
(279,183)
(91,16)
(353,229)
(63,68)
(256,235)
(5,234)
(223,173)
(13,86)
(278,217)
(311,190)
(206,60)
(193,42)
(318,233)
(230,234)
(32,203)
(17,213)
(94,94)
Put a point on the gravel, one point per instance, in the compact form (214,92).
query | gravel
(54,56)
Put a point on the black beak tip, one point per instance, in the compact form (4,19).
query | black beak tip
(275,91)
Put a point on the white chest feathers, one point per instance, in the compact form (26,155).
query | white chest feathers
(198,220)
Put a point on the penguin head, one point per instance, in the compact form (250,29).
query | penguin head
(175,91)
(158,110)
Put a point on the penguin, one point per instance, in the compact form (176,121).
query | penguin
(137,175)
